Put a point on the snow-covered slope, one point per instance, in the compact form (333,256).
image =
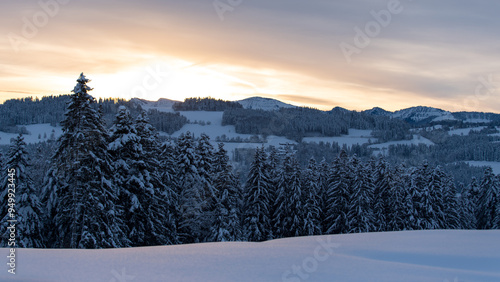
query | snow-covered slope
(162,105)
(210,123)
(37,133)
(355,136)
(392,256)
(414,114)
(421,113)
(267,104)
(417,139)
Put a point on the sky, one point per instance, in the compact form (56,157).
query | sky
(319,53)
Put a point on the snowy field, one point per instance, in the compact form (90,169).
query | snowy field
(213,128)
(43,131)
(494,165)
(392,256)
(355,136)
(465,131)
(417,139)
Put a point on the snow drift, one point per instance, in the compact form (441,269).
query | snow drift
(391,256)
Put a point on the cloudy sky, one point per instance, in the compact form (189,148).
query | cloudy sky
(320,53)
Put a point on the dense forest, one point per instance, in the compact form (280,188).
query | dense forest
(121,187)
(17,112)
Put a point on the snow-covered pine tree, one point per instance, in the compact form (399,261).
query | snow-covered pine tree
(383,206)
(422,199)
(289,214)
(163,207)
(338,195)
(450,203)
(360,216)
(311,199)
(226,223)
(205,153)
(488,201)
(323,169)
(79,192)
(190,190)
(433,207)
(257,222)
(275,170)
(403,214)
(142,194)
(28,208)
(467,208)
(167,159)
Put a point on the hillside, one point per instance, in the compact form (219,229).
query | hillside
(392,256)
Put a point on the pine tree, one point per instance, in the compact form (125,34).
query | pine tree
(79,193)
(324,169)
(311,199)
(163,206)
(338,196)
(422,198)
(451,203)
(403,215)
(488,200)
(289,216)
(383,207)
(257,221)
(226,224)
(205,154)
(360,216)
(190,191)
(467,207)
(142,194)
(28,208)
(433,195)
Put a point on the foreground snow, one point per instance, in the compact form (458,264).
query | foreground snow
(391,256)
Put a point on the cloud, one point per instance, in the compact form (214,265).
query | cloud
(433,50)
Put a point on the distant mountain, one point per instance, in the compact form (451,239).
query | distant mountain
(162,105)
(419,114)
(378,112)
(260,103)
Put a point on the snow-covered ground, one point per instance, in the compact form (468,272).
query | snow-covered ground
(44,131)
(212,126)
(494,165)
(392,256)
(465,131)
(355,136)
(417,139)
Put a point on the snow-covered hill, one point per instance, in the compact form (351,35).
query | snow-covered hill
(414,114)
(36,133)
(266,104)
(392,256)
(421,113)
(162,105)
(210,123)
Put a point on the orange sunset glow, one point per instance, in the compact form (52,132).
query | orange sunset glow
(412,53)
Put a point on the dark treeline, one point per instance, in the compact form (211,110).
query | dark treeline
(296,123)
(51,109)
(205,104)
